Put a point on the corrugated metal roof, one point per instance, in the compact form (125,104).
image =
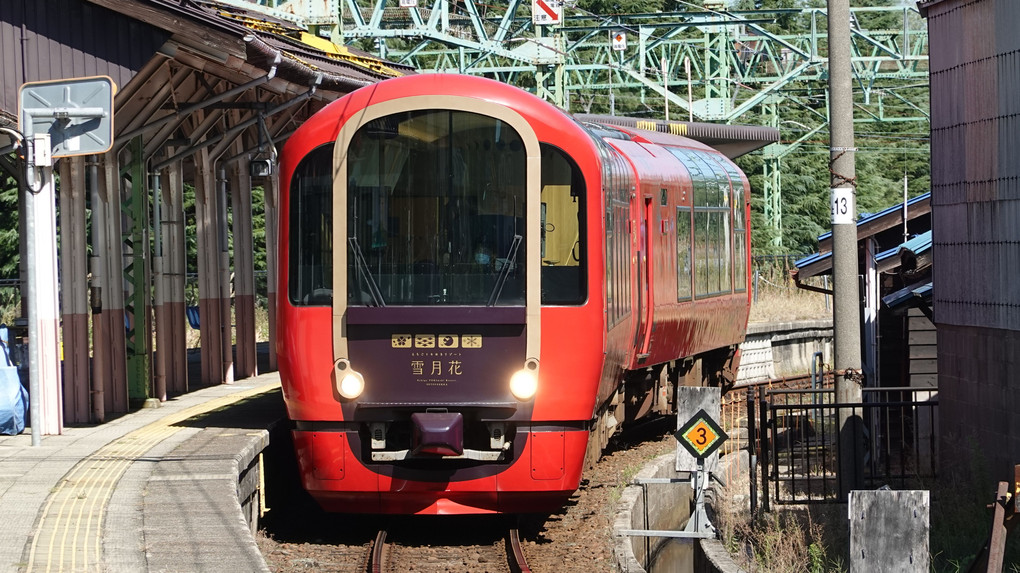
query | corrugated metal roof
(917,245)
(887,254)
(198,27)
(895,212)
(821,262)
(906,254)
(924,5)
(60,39)
(910,294)
(812,259)
(309,51)
(336,76)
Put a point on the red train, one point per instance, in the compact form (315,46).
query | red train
(509,287)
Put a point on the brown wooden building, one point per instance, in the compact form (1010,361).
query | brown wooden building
(894,257)
(975,147)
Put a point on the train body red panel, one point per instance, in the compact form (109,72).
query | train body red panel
(478,290)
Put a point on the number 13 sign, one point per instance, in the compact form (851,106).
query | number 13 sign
(843,206)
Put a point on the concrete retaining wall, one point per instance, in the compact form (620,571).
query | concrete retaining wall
(652,506)
(666,507)
(778,349)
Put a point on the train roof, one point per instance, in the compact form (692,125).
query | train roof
(730,140)
(522,102)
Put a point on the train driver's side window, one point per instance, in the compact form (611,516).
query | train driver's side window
(563,230)
(311,230)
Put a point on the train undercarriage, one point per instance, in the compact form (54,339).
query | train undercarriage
(652,391)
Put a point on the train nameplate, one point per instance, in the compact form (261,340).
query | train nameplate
(701,435)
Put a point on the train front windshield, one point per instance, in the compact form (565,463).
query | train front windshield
(436,211)
(436,215)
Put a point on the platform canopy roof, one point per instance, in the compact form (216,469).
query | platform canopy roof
(187,71)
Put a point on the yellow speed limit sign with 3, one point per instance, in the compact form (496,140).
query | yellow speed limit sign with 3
(701,435)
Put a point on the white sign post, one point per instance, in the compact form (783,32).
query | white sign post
(58,119)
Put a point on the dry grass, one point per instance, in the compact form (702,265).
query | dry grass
(193,338)
(794,539)
(784,301)
(815,538)
(9,310)
(961,519)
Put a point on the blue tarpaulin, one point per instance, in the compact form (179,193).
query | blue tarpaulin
(13,395)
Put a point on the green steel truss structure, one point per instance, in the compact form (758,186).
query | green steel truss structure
(711,65)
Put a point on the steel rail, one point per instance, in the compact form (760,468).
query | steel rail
(514,553)
(376,557)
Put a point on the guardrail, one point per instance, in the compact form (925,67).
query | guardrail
(796,438)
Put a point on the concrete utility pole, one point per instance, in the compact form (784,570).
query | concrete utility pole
(846,305)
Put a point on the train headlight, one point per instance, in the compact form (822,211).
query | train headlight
(524,382)
(349,382)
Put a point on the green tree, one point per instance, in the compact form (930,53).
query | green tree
(9,238)
(606,7)
(258,213)
(783,23)
(875,21)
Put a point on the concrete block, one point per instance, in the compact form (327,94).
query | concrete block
(889,531)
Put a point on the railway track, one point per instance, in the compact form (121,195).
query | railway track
(299,537)
(408,551)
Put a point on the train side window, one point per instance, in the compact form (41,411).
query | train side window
(563,230)
(684,261)
(723,200)
(712,221)
(310,273)
(617,185)
(740,258)
(739,230)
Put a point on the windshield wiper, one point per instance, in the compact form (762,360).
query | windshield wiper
(364,271)
(504,272)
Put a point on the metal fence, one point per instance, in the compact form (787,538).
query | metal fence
(799,447)
(783,261)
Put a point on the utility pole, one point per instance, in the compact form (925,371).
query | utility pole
(846,305)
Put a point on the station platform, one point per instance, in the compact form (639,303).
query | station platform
(166,489)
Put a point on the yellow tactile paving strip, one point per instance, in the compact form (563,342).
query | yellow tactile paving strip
(68,535)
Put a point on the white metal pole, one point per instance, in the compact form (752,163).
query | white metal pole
(43,329)
(690,90)
(905,236)
(665,87)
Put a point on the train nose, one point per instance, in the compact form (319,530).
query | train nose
(440,433)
